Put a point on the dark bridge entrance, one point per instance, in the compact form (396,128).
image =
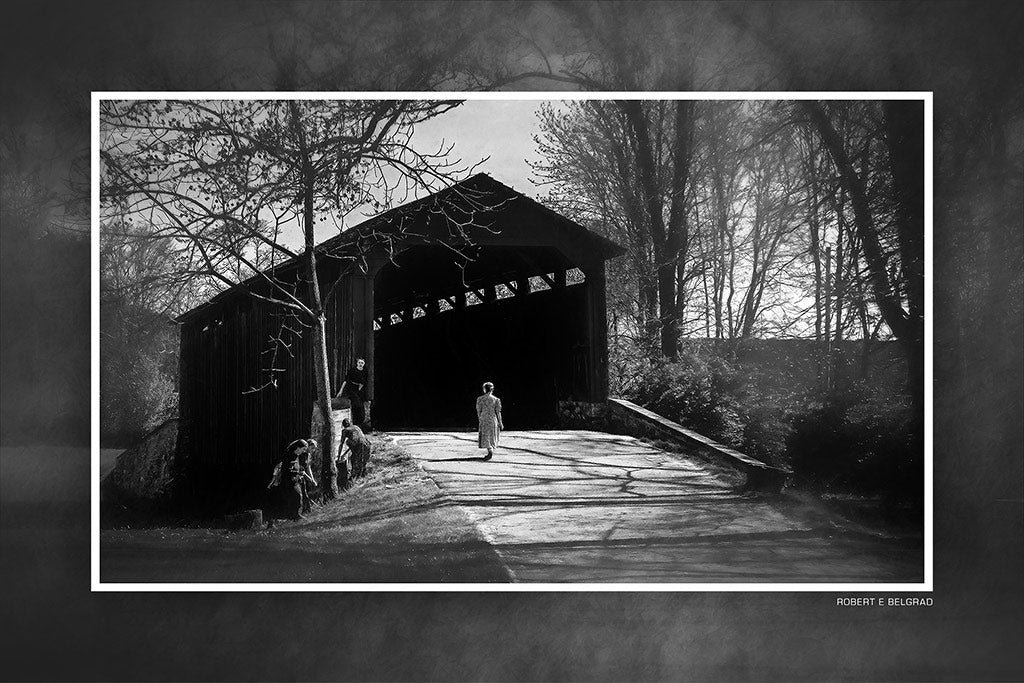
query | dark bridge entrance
(516,316)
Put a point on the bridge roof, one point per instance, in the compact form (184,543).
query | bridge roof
(478,211)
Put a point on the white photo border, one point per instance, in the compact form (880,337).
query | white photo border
(925,586)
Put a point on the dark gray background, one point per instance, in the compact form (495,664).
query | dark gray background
(54,54)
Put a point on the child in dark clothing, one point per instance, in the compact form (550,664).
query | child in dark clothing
(352,437)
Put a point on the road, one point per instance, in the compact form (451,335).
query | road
(579,506)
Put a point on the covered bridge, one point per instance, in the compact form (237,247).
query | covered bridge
(476,282)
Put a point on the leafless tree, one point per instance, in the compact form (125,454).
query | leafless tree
(224,181)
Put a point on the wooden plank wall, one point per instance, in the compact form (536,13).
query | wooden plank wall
(230,434)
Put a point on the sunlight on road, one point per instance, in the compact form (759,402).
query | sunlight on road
(587,506)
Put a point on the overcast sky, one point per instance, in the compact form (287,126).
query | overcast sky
(500,129)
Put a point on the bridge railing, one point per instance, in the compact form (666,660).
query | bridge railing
(619,416)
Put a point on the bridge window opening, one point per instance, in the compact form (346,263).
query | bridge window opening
(538,284)
(535,348)
(574,276)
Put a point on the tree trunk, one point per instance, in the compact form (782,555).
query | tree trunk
(667,302)
(905,138)
(839,289)
(648,308)
(827,347)
(757,268)
(328,434)
(669,238)
(678,228)
(722,218)
(321,370)
(321,367)
(815,249)
(885,297)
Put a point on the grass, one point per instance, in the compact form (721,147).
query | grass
(390,468)
(392,525)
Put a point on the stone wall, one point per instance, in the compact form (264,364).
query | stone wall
(623,417)
(618,416)
(582,415)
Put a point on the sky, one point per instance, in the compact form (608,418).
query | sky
(498,133)
(494,136)
(499,130)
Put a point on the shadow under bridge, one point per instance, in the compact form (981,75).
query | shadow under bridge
(446,321)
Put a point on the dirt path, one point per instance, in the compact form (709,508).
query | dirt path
(593,507)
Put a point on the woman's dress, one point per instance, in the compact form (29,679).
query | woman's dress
(488,413)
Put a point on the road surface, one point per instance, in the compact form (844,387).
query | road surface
(579,506)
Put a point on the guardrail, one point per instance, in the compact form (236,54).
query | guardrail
(625,417)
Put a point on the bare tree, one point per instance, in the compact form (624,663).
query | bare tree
(227,182)
(626,164)
(895,266)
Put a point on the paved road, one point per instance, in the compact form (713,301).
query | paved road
(582,506)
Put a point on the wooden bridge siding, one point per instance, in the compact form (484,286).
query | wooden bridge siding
(340,332)
(350,326)
(231,438)
(597,330)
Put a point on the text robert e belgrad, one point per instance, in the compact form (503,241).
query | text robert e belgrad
(884,602)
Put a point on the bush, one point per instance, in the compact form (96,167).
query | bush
(136,395)
(859,440)
(137,369)
(707,393)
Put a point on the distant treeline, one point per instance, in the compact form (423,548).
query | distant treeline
(808,365)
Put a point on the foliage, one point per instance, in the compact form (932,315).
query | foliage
(793,219)
(713,395)
(141,287)
(858,439)
(234,186)
(138,365)
(138,396)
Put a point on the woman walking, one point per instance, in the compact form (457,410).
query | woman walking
(488,414)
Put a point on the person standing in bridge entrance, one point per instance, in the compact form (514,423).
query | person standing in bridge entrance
(488,414)
(354,389)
